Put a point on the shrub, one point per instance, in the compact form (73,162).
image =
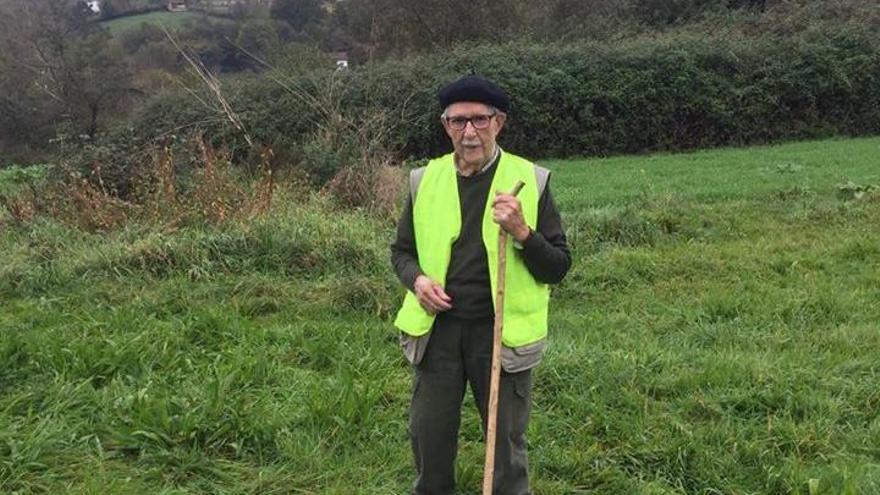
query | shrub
(849,190)
(671,92)
(159,191)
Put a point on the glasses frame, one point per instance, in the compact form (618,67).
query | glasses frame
(471,121)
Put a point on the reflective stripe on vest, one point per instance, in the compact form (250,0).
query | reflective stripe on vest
(437,225)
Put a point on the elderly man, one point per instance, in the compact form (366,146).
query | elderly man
(446,255)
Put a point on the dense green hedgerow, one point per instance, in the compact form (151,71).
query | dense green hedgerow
(668,93)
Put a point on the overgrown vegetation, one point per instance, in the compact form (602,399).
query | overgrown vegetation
(200,188)
(593,76)
(666,93)
(717,333)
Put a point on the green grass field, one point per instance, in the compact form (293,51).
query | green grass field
(717,334)
(171,20)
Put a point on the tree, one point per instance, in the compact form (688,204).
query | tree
(97,80)
(382,27)
(257,37)
(299,14)
(117,8)
(60,67)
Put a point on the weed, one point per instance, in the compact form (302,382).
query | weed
(788,168)
(794,192)
(849,190)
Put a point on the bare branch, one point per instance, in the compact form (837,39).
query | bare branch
(213,84)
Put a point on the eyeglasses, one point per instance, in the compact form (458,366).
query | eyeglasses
(478,121)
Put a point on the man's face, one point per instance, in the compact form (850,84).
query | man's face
(473,146)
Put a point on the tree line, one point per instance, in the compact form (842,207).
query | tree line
(62,74)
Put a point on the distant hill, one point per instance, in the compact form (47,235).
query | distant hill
(168,19)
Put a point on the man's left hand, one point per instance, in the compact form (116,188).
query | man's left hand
(507,212)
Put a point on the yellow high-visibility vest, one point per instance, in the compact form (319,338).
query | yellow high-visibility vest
(437,225)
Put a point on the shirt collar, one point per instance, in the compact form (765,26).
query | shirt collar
(488,164)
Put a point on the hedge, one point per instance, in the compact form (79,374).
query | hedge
(668,93)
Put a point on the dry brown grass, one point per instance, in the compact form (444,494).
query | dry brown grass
(376,187)
(212,192)
(20,208)
(82,203)
(372,180)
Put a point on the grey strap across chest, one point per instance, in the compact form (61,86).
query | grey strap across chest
(542,175)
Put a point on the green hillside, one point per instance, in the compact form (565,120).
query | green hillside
(171,20)
(716,334)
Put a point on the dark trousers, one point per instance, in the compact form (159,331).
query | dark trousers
(459,352)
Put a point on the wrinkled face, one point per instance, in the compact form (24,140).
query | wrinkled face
(473,127)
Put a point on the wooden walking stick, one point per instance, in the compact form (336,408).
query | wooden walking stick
(495,379)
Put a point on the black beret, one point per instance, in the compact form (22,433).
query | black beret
(474,88)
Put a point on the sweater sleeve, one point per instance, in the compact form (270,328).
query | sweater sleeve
(545,252)
(404,257)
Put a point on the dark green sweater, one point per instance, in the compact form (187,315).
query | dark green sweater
(545,252)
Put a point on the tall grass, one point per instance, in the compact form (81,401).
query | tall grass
(717,334)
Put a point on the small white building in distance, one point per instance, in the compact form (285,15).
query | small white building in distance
(341,60)
(177,5)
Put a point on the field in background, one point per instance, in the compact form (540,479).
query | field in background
(717,334)
(171,20)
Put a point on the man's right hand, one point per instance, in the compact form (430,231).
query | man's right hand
(431,295)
